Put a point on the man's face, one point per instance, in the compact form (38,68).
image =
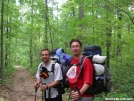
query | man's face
(45,56)
(76,48)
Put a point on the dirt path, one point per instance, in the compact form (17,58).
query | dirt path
(22,88)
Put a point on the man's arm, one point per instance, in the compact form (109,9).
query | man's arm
(88,79)
(84,88)
(38,81)
(76,95)
(46,86)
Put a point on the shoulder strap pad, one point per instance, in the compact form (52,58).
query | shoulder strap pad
(53,67)
(40,67)
(81,61)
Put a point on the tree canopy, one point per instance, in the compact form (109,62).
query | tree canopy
(27,26)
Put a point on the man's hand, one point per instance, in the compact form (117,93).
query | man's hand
(44,87)
(36,85)
(75,95)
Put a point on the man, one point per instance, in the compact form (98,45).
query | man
(85,76)
(48,78)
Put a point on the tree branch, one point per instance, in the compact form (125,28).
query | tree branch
(123,11)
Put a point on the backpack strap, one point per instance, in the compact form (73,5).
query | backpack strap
(80,64)
(49,90)
(81,61)
(53,67)
(52,70)
(49,93)
(40,67)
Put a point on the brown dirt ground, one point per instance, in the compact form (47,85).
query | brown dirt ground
(22,88)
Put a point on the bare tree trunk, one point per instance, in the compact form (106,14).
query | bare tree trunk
(81,15)
(51,41)
(6,47)
(118,51)
(73,11)
(119,34)
(108,34)
(31,39)
(46,26)
(1,44)
(7,37)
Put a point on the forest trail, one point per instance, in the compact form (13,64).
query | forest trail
(22,88)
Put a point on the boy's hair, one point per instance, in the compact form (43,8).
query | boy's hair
(46,49)
(75,40)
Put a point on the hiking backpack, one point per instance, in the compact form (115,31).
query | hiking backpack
(58,56)
(102,76)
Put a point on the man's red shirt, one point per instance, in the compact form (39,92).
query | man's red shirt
(86,75)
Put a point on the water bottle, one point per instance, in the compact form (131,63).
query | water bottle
(101,77)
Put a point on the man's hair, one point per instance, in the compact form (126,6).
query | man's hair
(46,49)
(75,40)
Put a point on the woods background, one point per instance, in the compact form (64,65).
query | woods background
(27,26)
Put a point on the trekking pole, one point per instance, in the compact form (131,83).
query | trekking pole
(42,95)
(76,89)
(35,92)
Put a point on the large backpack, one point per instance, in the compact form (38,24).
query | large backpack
(58,56)
(102,76)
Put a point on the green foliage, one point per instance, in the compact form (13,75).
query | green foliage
(27,31)
(9,73)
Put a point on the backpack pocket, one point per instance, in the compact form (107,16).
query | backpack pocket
(60,88)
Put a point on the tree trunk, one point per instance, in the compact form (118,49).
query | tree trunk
(1,44)
(108,34)
(46,26)
(81,15)
(7,40)
(51,41)
(118,50)
(31,38)
(119,34)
